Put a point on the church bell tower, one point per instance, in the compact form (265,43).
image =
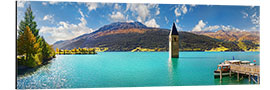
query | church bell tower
(174,43)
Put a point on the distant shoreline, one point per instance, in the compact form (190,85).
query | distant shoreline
(185,51)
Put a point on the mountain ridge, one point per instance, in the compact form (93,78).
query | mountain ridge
(233,35)
(126,36)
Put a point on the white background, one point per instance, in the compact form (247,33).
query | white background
(7,37)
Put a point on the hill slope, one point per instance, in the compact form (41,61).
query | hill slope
(122,36)
(233,35)
(246,40)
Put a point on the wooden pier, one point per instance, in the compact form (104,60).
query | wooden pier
(249,70)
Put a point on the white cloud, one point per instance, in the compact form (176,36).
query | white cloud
(177,12)
(81,13)
(129,21)
(230,28)
(20,4)
(176,20)
(184,9)
(91,6)
(211,28)
(245,14)
(166,19)
(255,19)
(178,27)
(48,18)
(144,13)
(117,16)
(226,28)
(157,11)
(253,28)
(151,23)
(251,15)
(192,5)
(199,26)
(50,2)
(251,7)
(53,2)
(117,6)
(44,3)
(65,30)
(141,10)
(139,19)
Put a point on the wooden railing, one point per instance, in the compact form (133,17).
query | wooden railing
(246,69)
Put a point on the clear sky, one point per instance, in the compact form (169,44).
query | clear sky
(67,20)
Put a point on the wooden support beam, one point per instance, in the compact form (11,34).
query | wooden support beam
(258,79)
(230,73)
(220,74)
(249,77)
(254,79)
(238,76)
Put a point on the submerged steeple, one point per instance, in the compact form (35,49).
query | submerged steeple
(174,30)
(174,42)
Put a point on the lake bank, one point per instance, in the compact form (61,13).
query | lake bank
(83,51)
(22,69)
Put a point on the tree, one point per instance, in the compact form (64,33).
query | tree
(27,44)
(52,52)
(73,50)
(46,49)
(57,49)
(29,21)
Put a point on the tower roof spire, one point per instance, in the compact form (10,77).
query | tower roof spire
(174,30)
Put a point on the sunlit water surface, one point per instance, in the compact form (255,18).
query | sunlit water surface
(132,69)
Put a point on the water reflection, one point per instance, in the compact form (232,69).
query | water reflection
(21,73)
(173,72)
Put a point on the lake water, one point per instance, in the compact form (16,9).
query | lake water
(132,69)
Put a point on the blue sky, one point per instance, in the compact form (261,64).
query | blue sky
(67,20)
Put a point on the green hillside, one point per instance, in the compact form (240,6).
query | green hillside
(134,37)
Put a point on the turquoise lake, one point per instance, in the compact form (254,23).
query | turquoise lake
(133,69)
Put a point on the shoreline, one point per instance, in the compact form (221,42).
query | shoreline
(77,54)
(22,70)
(186,51)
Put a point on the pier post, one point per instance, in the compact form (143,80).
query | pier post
(230,73)
(258,79)
(249,77)
(237,76)
(220,75)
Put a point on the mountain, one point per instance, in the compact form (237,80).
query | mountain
(233,35)
(124,36)
(122,25)
(245,40)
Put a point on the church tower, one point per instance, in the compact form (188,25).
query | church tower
(174,43)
